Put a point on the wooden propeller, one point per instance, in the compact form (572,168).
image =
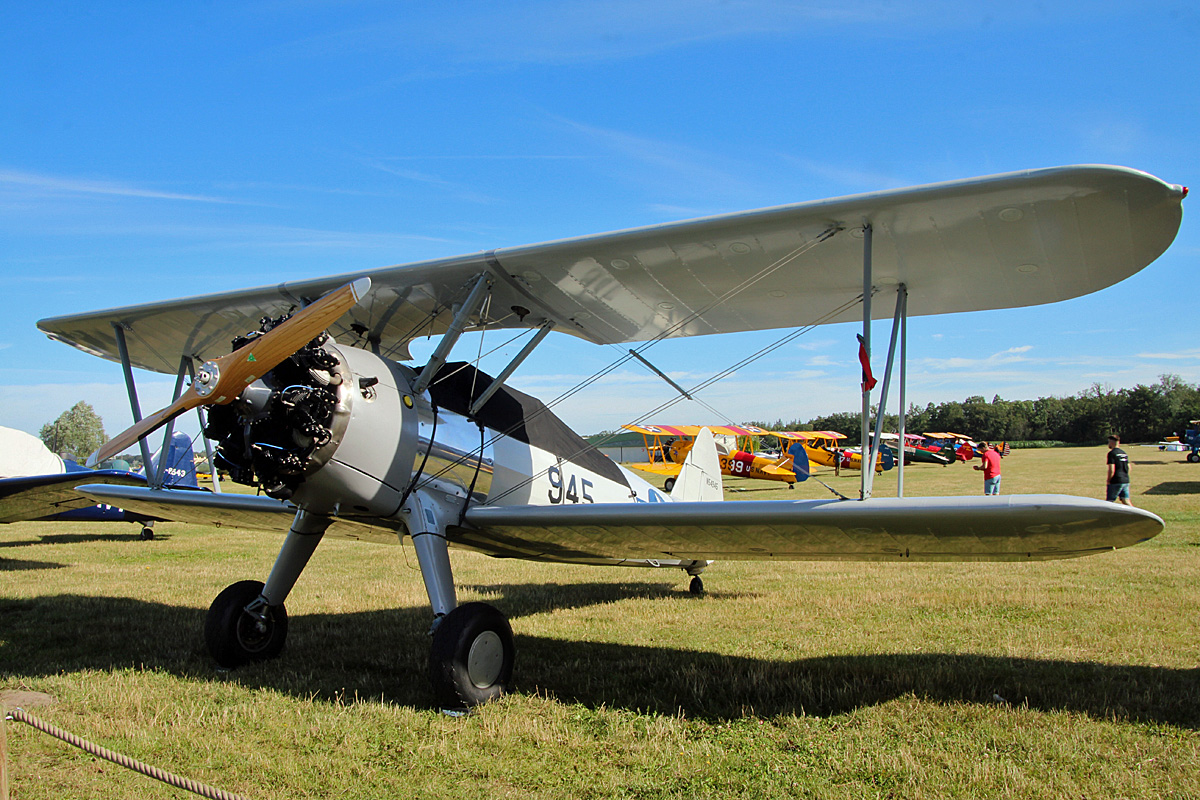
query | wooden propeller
(221,381)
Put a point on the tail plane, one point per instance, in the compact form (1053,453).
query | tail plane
(179,468)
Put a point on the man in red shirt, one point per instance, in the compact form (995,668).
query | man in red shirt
(990,467)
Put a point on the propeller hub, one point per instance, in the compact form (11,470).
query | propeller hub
(206,378)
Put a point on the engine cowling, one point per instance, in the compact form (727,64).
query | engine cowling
(329,428)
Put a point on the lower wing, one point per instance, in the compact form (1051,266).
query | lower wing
(996,528)
(999,528)
(37,496)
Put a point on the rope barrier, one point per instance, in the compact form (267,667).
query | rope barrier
(177,781)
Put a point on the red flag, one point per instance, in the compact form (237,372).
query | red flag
(868,380)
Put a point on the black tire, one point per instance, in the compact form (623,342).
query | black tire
(233,636)
(696,587)
(668,484)
(471,661)
(1193,457)
(147,534)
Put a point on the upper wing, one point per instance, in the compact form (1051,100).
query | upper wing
(692,431)
(1018,239)
(1009,528)
(38,496)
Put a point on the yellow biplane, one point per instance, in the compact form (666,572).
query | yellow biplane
(822,448)
(668,445)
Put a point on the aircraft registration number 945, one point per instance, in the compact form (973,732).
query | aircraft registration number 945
(568,490)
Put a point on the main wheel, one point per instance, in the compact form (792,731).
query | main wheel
(236,637)
(471,661)
(696,587)
(1193,456)
(147,534)
(668,484)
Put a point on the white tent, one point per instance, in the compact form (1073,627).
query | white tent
(24,454)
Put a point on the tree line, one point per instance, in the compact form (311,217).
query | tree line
(1139,414)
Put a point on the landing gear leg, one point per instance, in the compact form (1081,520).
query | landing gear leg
(471,660)
(247,621)
(696,587)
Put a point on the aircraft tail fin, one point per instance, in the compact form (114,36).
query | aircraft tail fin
(700,477)
(180,464)
(800,465)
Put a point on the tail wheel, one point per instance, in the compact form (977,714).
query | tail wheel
(236,636)
(471,661)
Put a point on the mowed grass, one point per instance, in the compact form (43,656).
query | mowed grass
(1063,679)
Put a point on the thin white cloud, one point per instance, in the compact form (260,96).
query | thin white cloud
(54,185)
(855,177)
(1009,356)
(1187,355)
(457,189)
(688,170)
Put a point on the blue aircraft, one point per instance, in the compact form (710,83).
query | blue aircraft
(53,498)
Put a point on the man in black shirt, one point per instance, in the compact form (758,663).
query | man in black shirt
(1118,472)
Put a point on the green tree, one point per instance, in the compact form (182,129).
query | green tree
(78,431)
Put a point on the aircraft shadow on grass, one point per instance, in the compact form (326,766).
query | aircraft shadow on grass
(383,655)
(17,564)
(1175,487)
(75,538)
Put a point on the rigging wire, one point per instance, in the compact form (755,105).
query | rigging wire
(790,336)
(666,333)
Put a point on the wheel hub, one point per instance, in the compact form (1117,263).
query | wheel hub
(253,632)
(485,659)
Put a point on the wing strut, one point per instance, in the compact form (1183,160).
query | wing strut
(661,374)
(871,445)
(158,478)
(499,380)
(131,388)
(462,315)
(898,323)
(868,287)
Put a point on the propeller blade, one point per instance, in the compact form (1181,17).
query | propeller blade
(220,381)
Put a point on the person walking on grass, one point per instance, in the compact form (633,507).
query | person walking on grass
(1118,472)
(990,467)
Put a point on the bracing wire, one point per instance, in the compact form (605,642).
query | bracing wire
(790,336)
(666,333)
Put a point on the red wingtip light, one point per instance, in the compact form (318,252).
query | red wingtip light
(1184,192)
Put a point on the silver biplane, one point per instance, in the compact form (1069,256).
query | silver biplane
(316,405)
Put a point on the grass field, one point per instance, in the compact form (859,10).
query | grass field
(1070,679)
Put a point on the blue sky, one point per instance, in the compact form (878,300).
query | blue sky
(151,152)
